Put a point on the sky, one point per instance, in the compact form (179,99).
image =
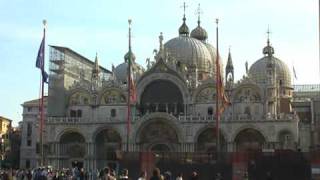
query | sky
(100,26)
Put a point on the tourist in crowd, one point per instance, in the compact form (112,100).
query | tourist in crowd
(124,175)
(167,175)
(194,176)
(143,175)
(179,177)
(156,174)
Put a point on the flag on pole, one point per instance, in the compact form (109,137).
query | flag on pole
(40,61)
(294,72)
(224,102)
(133,94)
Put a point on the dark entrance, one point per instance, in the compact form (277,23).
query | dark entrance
(78,164)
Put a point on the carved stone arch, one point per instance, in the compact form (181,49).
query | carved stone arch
(158,116)
(104,128)
(206,139)
(205,127)
(247,92)
(69,130)
(119,96)
(202,91)
(249,139)
(72,145)
(248,126)
(84,97)
(163,77)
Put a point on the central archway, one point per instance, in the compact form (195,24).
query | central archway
(158,135)
(249,140)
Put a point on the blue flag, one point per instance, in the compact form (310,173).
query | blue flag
(40,61)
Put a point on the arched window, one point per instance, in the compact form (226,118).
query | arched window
(113,113)
(79,113)
(73,113)
(210,111)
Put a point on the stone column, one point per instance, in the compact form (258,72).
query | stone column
(58,155)
(175,109)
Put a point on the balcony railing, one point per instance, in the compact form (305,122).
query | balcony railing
(242,118)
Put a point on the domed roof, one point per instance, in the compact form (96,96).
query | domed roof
(121,71)
(199,33)
(259,74)
(126,56)
(189,51)
(184,30)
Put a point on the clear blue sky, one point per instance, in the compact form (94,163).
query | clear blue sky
(101,26)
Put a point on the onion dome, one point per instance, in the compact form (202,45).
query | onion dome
(268,50)
(258,71)
(128,54)
(184,30)
(199,32)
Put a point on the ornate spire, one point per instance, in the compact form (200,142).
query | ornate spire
(129,54)
(184,30)
(229,62)
(268,50)
(229,69)
(96,69)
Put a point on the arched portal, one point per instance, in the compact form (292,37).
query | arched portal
(108,146)
(207,141)
(161,96)
(72,149)
(249,140)
(158,136)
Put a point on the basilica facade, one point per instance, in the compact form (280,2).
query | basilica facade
(86,109)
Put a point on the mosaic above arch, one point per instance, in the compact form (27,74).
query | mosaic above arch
(79,98)
(112,96)
(207,94)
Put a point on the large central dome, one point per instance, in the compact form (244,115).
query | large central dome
(189,51)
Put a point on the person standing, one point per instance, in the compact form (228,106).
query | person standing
(179,177)
(156,174)
(143,175)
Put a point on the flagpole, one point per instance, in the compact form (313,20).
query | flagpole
(42,95)
(129,88)
(217,94)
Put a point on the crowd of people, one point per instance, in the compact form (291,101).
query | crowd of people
(80,174)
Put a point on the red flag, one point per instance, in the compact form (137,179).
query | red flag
(133,94)
(224,102)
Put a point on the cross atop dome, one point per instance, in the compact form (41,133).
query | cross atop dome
(199,12)
(268,50)
(184,30)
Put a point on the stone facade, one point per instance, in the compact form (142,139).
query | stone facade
(87,123)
